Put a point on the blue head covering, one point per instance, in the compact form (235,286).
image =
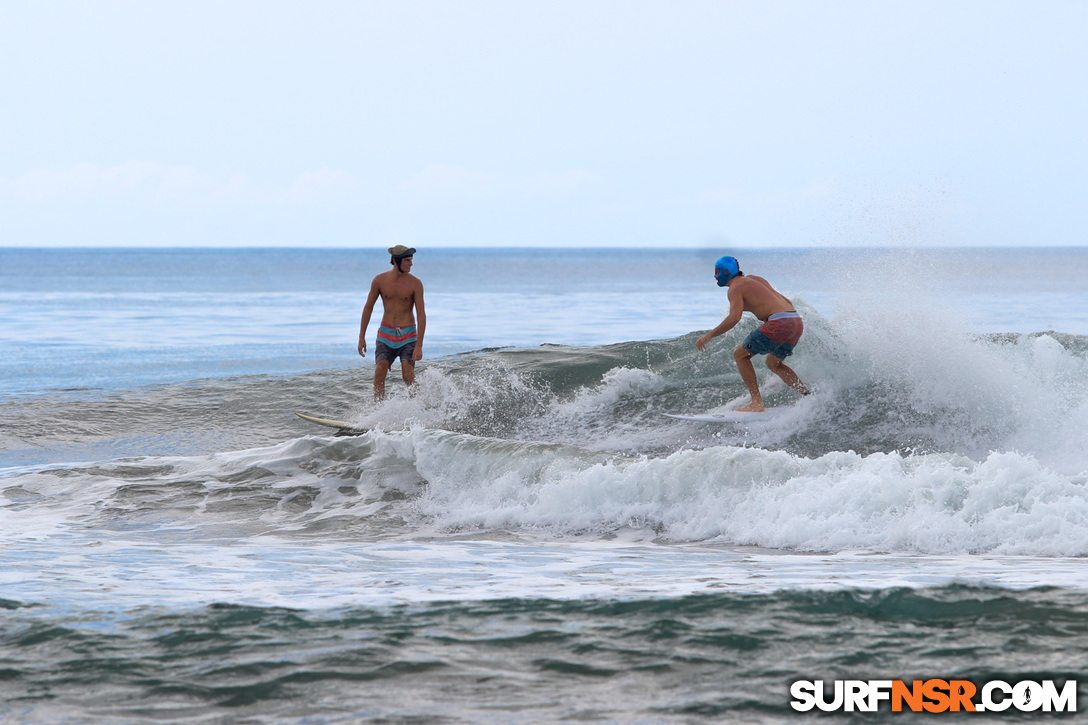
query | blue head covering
(726,269)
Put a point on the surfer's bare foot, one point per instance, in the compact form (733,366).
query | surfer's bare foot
(752,407)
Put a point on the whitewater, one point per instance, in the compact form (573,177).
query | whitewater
(526,537)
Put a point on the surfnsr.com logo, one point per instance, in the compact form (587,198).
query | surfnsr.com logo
(934,696)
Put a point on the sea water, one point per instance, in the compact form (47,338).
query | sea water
(525,537)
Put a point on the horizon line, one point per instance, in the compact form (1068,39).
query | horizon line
(561,247)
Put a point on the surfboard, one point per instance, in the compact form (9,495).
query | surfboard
(341,425)
(731,416)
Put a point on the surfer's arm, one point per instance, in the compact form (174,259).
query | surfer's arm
(736,311)
(421,323)
(368,310)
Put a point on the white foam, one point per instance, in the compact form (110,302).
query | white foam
(937,503)
(616,385)
(542,520)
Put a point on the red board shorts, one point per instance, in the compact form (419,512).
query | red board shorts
(777,336)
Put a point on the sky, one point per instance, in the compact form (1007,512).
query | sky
(553,123)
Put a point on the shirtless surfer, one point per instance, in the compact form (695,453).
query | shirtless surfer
(776,337)
(398,335)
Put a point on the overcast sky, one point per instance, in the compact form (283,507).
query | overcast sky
(629,123)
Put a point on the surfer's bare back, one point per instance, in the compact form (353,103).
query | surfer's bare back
(399,336)
(775,338)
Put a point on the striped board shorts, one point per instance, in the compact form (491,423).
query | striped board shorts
(395,337)
(395,342)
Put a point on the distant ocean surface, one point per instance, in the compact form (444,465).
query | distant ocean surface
(527,538)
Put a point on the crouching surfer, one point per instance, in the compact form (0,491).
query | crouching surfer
(775,338)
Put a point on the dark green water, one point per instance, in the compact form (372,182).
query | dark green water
(706,658)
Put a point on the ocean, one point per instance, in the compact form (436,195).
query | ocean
(524,537)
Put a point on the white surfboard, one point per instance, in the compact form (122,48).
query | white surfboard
(731,416)
(341,425)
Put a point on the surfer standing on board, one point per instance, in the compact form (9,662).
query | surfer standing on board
(398,335)
(775,338)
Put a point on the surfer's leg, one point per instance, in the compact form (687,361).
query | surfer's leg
(748,375)
(407,367)
(785,372)
(380,371)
